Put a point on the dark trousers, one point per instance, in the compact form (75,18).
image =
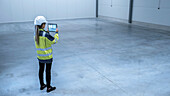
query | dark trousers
(48,73)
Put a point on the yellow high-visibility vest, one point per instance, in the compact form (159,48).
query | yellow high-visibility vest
(44,49)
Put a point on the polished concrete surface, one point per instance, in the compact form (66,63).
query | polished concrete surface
(94,57)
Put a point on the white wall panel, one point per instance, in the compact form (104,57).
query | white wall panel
(17,10)
(27,10)
(119,9)
(40,7)
(52,11)
(5,11)
(62,9)
(147,11)
(144,10)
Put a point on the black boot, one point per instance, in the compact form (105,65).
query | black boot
(42,87)
(50,89)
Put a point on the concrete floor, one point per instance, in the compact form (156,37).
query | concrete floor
(94,57)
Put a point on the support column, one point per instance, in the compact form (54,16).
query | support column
(131,11)
(97,7)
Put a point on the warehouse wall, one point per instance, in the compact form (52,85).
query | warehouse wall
(27,10)
(119,8)
(147,11)
(144,10)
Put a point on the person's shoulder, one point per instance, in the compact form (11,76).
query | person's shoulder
(40,33)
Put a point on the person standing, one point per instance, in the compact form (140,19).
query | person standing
(43,42)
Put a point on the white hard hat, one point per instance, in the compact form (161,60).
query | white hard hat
(39,20)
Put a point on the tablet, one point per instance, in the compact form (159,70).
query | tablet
(52,27)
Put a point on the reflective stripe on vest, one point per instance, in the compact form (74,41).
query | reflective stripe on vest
(45,49)
(43,55)
(43,34)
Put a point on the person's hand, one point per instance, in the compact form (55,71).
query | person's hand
(47,30)
(56,30)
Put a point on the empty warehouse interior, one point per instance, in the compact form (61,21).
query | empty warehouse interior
(105,47)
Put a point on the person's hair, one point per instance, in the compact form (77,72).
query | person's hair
(37,27)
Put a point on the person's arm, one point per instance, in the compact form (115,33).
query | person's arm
(51,39)
(56,36)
